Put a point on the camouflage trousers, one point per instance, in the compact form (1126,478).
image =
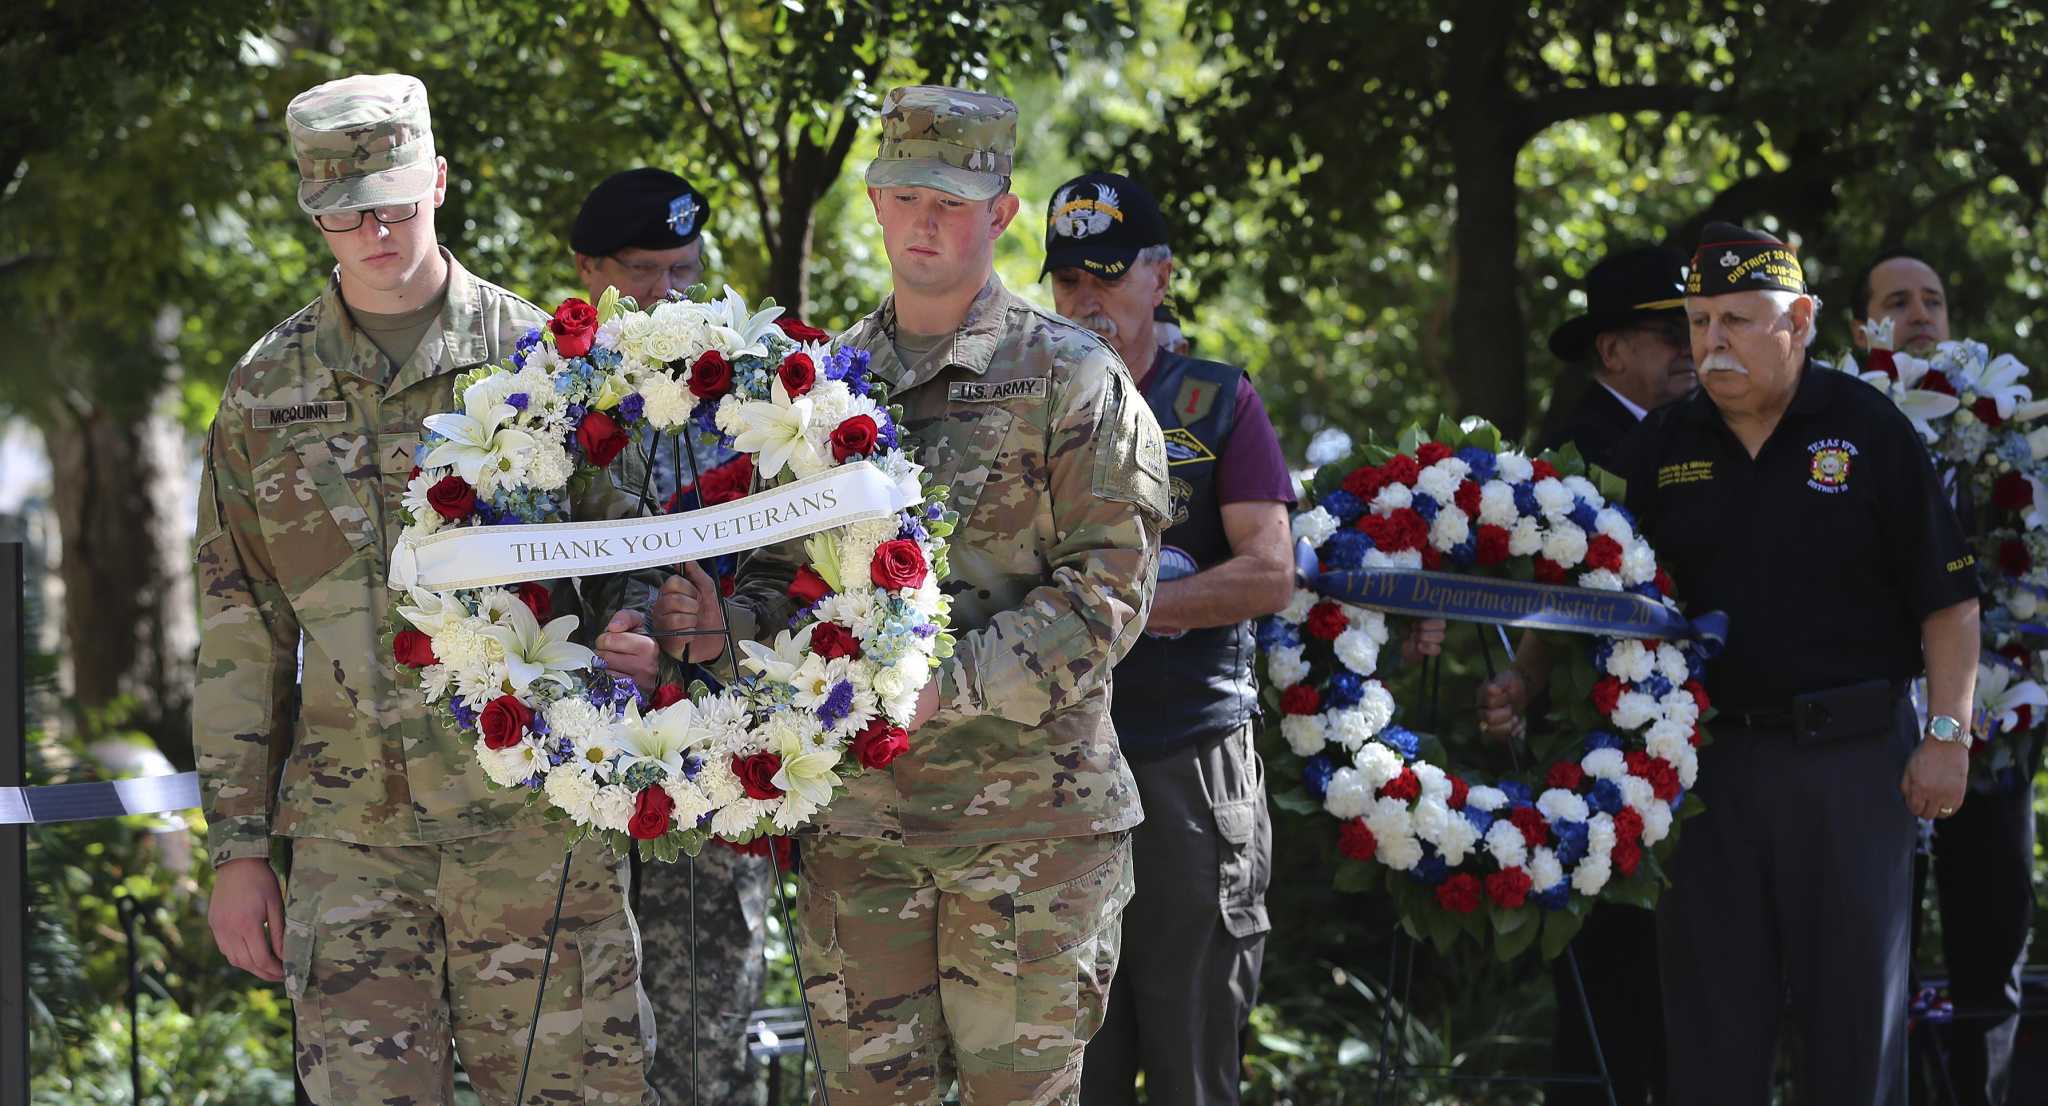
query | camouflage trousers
(731,932)
(986,964)
(395,954)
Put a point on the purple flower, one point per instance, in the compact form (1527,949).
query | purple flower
(464,717)
(517,401)
(836,705)
(631,406)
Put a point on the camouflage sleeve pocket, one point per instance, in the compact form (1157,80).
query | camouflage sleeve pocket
(1130,453)
(616,1026)
(209,509)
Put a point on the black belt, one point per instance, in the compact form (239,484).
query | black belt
(1864,709)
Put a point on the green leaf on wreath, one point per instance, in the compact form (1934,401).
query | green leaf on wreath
(1479,432)
(1506,920)
(1411,439)
(1559,927)
(1355,876)
(1510,943)
(1637,890)
(1613,488)
(1296,801)
(1566,459)
(1692,804)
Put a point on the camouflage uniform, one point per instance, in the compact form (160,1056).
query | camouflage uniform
(729,924)
(419,895)
(960,911)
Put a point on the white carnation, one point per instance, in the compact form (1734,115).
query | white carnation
(1688,763)
(1600,579)
(1394,829)
(612,808)
(1435,783)
(572,793)
(1486,799)
(1565,546)
(1349,728)
(1680,708)
(1304,733)
(1671,665)
(1604,764)
(1377,704)
(1637,792)
(1347,796)
(2022,603)
(1544,870)
(512,766)
(1591,875)
(1584,489)
(1552,499)
(1285,666)
(1438,482)
(1506,844)
(1358,651)
(1513,467)
(1497,505)
(1432,818)
(1638,562)
(668,402)
(1407,558)
(1314,526)
(1459,836)
(1297,608)
(1611,523)
(1367,621)
(1526,539)
(1656,822)
(1392,498)
(1630,661)
(691,802)
(1450,528)
(1377,764)
(1634,710)
(1600,835)
(1559,805)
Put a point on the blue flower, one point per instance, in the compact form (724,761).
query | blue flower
(692,765)
(464,717)
(1424,505)
(1525,499)
(527,340)
(1345,689)
(1516,791)
(1556,897)
(1482,462)
(885,433)
(631,406)
(1603,652)
(1315,776)
(1401,739)
(1605,797)
(1345,550)
(1274,632)
(1601,739)
(1431,869)
(1656,687)
(1571,841)
(518,401)
(1481,820)
(576,411)
(1583,515)
(912,529)
(1344,505)
(1647,589)
(837,703)
(1466,553)
(705,416)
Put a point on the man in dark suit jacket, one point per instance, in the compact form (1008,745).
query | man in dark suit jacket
(1632,341)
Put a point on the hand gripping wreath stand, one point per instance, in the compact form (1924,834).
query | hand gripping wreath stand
(781,901)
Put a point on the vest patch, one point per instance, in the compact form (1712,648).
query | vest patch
(1183,448)
(975,391)
(1685,472)
(1195,399)
(289,414)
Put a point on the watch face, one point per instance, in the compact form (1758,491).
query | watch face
(1944,728)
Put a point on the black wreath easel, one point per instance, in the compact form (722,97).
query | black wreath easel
(781,900)
(1402,952)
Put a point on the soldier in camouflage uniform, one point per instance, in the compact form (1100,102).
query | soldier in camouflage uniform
(415,914)
(635,220)
(960,912)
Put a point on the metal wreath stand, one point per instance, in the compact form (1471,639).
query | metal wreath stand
(1402,954)
(775,874)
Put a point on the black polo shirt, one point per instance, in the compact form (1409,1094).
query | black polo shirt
(1826,550)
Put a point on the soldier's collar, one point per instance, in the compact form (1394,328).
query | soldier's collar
(457,339)
(974,343)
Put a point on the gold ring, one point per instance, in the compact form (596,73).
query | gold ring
(1946,811)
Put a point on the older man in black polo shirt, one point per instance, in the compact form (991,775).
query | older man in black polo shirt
(1804,507)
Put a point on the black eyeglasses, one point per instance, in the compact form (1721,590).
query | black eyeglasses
(340,222)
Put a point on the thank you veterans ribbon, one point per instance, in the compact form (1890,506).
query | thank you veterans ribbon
(489,556)
(1519,603)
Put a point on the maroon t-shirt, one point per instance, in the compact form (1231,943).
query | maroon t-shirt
(1249,465)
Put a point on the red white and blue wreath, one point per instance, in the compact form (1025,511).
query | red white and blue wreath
(1510,861)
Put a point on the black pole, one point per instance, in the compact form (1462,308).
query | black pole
(540,988)
(13,838)
(129,912)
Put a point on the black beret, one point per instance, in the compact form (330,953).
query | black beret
(649,209)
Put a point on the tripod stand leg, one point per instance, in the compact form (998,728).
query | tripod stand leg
(1571,957)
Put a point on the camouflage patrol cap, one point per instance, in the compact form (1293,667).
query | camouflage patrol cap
(362,141)
(950,139)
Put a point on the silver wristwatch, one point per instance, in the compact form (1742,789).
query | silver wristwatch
(1942,727)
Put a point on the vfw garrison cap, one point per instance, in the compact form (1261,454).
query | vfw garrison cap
(362,141)
(950,139)
(1737,259)
(648,209)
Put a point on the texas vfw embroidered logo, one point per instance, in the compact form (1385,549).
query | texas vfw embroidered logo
(682,215)
(1085,209)
(1832,460)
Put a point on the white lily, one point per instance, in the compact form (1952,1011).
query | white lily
(1921,405)
(477,438)
(748,328)
(807,769)
(775,431)
(778,663)
(662,737)
(2002,691)
(2003,380)
(534,652)
(432,613)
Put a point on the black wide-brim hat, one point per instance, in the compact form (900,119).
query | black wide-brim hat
(1643,283)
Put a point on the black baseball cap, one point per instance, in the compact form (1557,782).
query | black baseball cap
(1098,222)
(1646,282)
(1734,258)
(648,209)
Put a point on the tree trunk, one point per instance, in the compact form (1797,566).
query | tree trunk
(1488,366)
(120,490)
(789,271)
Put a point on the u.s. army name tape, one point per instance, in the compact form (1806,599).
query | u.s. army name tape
(489,556)
(78,802)
(1519,603)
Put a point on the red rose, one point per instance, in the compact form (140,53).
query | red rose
(1606,693)
(1628,825)
(1404,787)
(898,563)
(1459,894)
(1364,482)
(1326,620)
(413,649)
(1664,584)
(1542,470)
(1459,789)
(1493,545)
(878,743)
(727,482)
(1626,856)
(1300,699)
(1431,452)
(1467,498)
(808,587)
(1549,571)
(651,810)
(452,498)
(1535,831)
(1603,552)
(1986,409)
(602,439)
(1880,361)
(799,332)
(2011,492)
(757,775)
(574,327)
(710,376)
(798,373)
(2014,652)
(2013,558)
(831,641)
(537,599)
(1508,888)
(1356,841)
(781,847)
(1699,694)
(668,695)
(853,438)
(1937,381)
(1564,774)
(504,721)
(1401,469)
